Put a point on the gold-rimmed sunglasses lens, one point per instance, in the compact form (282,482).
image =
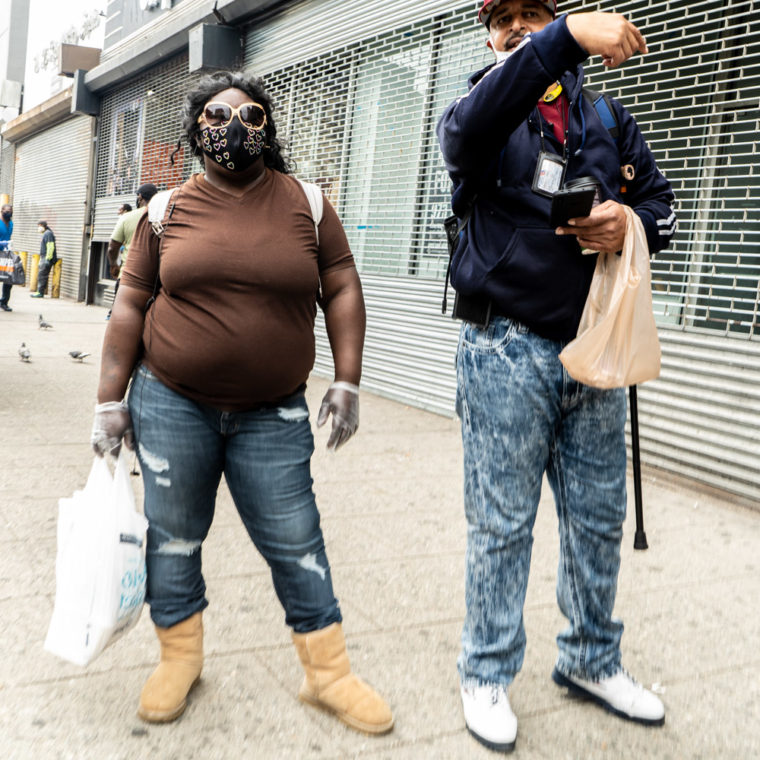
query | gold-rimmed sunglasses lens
(216,114)
(253,115)
(220,114)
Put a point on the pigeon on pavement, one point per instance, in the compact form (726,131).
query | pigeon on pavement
(78,355)
(24,353)
(43,324)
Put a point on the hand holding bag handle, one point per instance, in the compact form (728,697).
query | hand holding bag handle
(6,267)
(617,343)
(100,565)
(19,275)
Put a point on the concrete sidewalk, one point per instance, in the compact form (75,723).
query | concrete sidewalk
(395,532)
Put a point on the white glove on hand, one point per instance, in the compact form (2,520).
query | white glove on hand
(342,401)
(112,423)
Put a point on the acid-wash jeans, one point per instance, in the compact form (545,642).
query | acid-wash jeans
(522,415)
(265,455)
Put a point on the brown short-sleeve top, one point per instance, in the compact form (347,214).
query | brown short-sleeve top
(233,323)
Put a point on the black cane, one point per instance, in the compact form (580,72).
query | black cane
(640,540)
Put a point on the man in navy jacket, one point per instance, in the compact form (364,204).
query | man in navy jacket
(523,129)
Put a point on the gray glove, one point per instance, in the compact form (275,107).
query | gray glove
(111,425)
(342,401)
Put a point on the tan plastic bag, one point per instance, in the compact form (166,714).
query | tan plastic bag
(617,343)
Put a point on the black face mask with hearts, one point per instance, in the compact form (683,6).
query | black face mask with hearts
(234,147)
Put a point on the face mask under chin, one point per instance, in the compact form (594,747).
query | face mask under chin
(234,147)
(502,55)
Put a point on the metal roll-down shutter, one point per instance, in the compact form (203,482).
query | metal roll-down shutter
(52,183)
(359,115)
(358,104)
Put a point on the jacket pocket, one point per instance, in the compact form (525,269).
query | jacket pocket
(542,278)
(484,244)
(537,256)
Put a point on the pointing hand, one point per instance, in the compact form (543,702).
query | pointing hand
(609,35)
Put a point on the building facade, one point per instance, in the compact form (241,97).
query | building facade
(358,91)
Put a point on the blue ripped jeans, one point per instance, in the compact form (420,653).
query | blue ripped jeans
(522,415)
(265,455)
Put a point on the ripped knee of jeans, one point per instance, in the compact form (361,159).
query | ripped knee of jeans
(163,541)
(178,546)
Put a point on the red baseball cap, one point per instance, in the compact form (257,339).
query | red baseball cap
(484,14)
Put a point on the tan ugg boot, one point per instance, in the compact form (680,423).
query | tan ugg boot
(330,684)
(164,696)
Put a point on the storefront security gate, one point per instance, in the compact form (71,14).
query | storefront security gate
(359,104)
(51,183)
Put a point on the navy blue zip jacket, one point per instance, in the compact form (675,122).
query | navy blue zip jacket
(490,139)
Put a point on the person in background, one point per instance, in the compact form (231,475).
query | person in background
(124,208)
(214,322)
(121,237)
(523,127)
(48,257)
(6,231)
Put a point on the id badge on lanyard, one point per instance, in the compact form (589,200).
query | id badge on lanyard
(550,168)
(550,173)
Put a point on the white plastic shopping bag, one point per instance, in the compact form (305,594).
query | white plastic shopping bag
(100,566)
(617,343)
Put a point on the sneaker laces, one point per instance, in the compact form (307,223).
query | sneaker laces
(621,671)
(633,681)
(494,694)
(496,691)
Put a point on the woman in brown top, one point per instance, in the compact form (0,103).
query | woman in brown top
(219,361)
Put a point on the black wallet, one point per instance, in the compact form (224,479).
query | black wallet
(571,204)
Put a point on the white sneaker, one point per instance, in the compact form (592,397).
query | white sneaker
(489,717)
(620,694)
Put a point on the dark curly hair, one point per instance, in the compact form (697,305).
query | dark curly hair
(214,83)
